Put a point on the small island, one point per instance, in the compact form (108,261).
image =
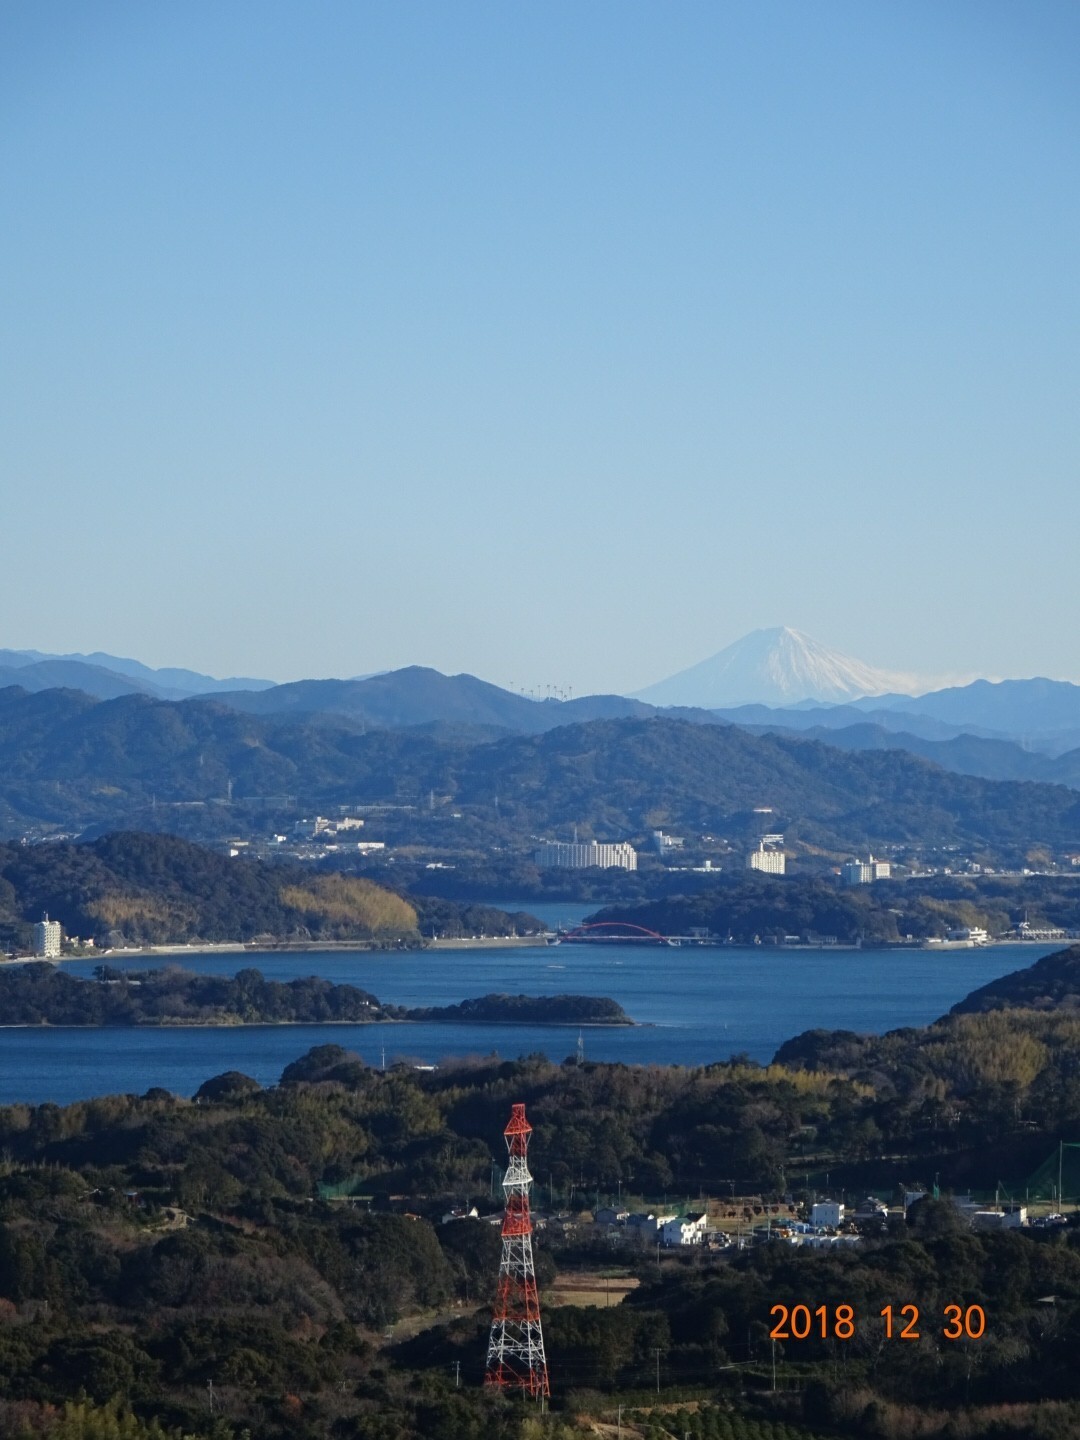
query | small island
(529,1010)
(42,994)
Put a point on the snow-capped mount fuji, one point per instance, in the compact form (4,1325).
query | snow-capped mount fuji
(777,667)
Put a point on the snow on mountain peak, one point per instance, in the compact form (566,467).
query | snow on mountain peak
(780,666)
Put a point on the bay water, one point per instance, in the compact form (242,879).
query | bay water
(694,1005)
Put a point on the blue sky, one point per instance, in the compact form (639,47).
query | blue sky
(562,344)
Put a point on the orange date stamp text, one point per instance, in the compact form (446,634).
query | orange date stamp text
(903,1322)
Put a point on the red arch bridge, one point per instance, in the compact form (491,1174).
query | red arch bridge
(612,932)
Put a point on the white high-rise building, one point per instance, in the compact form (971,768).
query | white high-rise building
(582,855)
(47,937)
(768,858)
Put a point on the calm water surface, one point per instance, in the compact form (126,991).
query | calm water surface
(695,1005)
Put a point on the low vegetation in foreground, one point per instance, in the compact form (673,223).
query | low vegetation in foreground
(285,1262)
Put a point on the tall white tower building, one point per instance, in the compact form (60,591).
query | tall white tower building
(47,937)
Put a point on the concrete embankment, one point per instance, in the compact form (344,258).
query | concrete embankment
(494,942)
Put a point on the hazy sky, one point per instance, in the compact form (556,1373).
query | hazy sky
(561,343)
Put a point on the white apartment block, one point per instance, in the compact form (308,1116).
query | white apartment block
(47,937)
(555,854)
(864,872)
(768,859)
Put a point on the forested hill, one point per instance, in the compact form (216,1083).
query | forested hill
(1019,1034)
(129,889)
(746,906)
(198,767)
(629,776)
(1052,983)
(43,994)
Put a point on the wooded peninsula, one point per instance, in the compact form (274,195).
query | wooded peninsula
(133,889)
(42,994)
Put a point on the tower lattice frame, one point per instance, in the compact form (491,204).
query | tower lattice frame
(515,1357)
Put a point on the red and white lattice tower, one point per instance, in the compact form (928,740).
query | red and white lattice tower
(515,1358)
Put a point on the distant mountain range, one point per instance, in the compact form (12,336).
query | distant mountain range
(931,726)
(1005,730)
(417,695)
(199,767)
(107,676)
(1037,709)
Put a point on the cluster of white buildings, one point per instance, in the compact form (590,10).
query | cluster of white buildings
(827,1226)
(864,872)
(331,834)
(809,1238)
(770,858)
(585,854)
(323,828)
(649,1228)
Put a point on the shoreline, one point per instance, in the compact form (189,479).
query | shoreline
(494,942)
(281,947)
(484,942)
(354,1024)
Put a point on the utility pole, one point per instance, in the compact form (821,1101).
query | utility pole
(457,1374)
(620,1422)
(657,1369)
